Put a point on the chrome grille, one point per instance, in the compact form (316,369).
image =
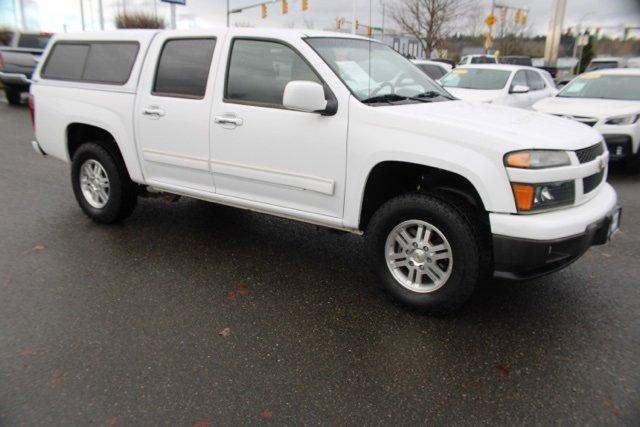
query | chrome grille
(589,121)
(589,154)
(591,182)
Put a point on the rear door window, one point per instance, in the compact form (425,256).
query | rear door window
(91,62)
(183,68)
(33,41)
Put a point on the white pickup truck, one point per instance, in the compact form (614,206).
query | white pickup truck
(329,129)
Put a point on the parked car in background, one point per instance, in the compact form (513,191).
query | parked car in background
(603,63)
(446,192)
(450,62)
(515,60)
(433,69)
(17,62)
(511,85)
(608,100)
(477,59)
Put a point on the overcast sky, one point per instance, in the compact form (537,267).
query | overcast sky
(56,15)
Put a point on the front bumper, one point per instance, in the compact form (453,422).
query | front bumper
(527,246)
(521,259)
(16,79)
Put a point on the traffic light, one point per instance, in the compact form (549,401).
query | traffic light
(285,7)
(305,5)
(523,18)
(357,24)
(263,11)
(516,17)
(338,23)
(370,31)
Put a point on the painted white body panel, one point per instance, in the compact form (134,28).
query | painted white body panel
(297,164)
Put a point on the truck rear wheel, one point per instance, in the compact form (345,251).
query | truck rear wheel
(13,95)
(102,185)
(426,252)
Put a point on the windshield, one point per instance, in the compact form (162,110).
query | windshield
(374,72)
(483,60)
(596,85)
(476,78)
(433,71)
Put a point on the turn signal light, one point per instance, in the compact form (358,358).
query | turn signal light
(523,194)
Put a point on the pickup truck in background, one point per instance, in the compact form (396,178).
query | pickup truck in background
(330,129)
(18,60)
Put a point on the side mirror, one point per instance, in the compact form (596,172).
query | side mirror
(307,96)
(520,89)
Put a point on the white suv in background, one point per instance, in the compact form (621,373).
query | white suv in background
(609,101)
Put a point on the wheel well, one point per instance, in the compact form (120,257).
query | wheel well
(80,133)
(391,179)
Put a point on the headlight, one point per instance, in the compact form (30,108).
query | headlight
(537,159)
(539,197)
(623,120)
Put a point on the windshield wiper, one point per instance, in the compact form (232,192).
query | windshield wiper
(430,94)
(390,97)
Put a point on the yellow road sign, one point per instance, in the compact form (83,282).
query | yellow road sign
(491,20)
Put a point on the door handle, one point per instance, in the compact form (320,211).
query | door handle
(154,112)
(228,120)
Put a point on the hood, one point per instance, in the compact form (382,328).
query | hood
(506,128)
(474,94)
(586,107)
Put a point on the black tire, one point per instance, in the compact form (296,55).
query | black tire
(463,236)
(123,193)
(14,96)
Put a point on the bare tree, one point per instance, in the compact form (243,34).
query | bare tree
(429,21)
(138,20)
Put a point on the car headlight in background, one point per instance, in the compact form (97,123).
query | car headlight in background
(623,120)
(541,197)
(537,159)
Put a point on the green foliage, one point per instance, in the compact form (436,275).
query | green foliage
(138,20)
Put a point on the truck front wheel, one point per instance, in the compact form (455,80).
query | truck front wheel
(426,252)
(102,185)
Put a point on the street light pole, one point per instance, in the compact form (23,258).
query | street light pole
(23,17)
(173,16)
(228,14)
(101,14)
(82,15)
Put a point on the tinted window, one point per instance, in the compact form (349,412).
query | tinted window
(33,41)
(602,65)
(183,68)
(66,62)
(599,86)
(96,62)
(483,60)
(260,70)
(432,71)
(534,80)
(110,62)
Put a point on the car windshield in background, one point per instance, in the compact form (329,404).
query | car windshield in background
(594,85)
(476,78)
(515,60)
(375,73)
(33,41)
(602,65)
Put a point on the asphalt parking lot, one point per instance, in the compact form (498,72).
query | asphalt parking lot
(195,314)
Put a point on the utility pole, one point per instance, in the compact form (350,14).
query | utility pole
(173,16)
(553,35)
(23,16)
(383,13)
(82,15)
(353,18)
(228,14)
(101,14)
